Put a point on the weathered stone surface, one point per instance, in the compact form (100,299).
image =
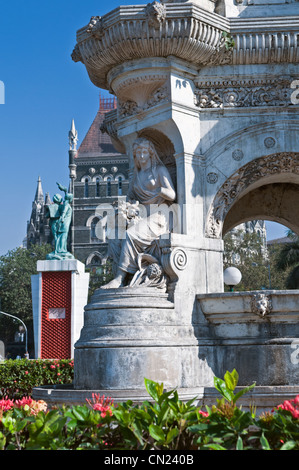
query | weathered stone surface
(214,87)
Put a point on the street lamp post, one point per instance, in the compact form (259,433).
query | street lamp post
(12,316)
(232,276)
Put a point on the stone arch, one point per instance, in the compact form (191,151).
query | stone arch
(261,189)
(95,255)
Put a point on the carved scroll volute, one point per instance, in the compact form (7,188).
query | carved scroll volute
(174,260)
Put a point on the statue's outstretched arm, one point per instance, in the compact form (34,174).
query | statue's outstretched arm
(62,188)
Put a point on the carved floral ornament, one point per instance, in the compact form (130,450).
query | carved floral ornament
(244,93)
(130,107)
(241,180)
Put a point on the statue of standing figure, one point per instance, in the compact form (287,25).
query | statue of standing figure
(152,187)
(60,214)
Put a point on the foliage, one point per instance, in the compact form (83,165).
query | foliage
(163,422)
(244,250)
(18,377)
(98,276)
(288,259)
(228,40)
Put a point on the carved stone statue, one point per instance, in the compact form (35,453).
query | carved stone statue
(152,187)
(60,213)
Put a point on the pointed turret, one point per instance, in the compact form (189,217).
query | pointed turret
(39,196)
(73,136)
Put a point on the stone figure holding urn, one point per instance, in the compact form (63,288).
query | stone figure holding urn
(151,187)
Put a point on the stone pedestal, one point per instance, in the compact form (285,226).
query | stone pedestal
(59,294)
(130,334)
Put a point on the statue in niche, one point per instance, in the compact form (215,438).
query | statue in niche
(60,214)
(151,187)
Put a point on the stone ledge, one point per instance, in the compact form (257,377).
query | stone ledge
(60,265)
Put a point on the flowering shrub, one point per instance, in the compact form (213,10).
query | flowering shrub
(162,423)
(18,377)
(292,406)
(102,404)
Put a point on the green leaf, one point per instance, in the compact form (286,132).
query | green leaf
(156,432)
(153,389)
(80,412)
(220,385)
(214,447)
(242,392)
(239,445)
(289,445)
(264,443)
(231,379)
(172,434)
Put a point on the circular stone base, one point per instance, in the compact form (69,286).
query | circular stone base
(263,398)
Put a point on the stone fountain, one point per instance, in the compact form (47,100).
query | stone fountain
(212,86)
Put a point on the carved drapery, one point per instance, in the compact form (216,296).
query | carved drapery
(249,174)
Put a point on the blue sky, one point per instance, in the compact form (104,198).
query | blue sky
(44,91)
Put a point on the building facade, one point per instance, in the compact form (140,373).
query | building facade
(101,177)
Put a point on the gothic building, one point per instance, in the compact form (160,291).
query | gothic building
(100,176)
(38,229)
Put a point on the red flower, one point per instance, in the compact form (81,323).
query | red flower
(101,404)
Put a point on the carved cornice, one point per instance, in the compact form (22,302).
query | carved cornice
(246,176)
(182,30)
(185,31)
(234,93)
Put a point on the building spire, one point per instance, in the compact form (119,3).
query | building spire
(73,136)
(39,196)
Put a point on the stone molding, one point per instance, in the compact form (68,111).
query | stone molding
(246,92)
(183,30)
(230,191)
(250,307)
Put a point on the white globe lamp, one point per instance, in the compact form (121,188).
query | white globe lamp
(232,276)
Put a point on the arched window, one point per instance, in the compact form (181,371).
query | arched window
(86,187)
(120,188)
(96,265)
(109,186)
(93,225)
(97,187)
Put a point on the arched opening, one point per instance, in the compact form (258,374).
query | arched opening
(266,189)
(86,188)
(108,191)
(93,235)
(119,186)
(98,187)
